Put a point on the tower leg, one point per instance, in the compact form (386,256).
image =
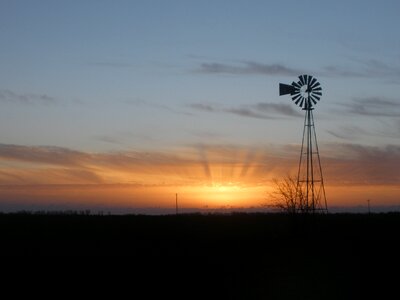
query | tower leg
(310,191)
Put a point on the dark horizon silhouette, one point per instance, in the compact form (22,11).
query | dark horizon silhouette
(240,256)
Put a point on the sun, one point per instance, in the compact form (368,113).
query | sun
(225,188)
(220,194)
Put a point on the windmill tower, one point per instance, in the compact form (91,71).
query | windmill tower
(310,190)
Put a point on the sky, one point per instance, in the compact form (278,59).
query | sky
(119,105)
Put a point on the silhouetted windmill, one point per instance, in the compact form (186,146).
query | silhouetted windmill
(310,190)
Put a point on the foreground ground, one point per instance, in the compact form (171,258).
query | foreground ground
(238,256)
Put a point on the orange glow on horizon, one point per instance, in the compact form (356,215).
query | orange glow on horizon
(201,197)
(225,195)
(212,177)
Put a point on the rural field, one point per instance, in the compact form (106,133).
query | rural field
(235,256)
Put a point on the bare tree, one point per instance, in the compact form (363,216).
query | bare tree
(288,196)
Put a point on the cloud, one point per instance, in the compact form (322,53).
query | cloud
(109,64)
(350,132)
(108,139)
(373,106)
(277,109)
(335,71)
(207,135)
(196,164)
(205,162)
(43,154)
(247,68)
(61,176)
(52,176)
(378,68)
(359,164)
(144,103)
(203,107)
(243,111)
(261,110)
(365,68)
(247,112)
(52,165)
(28,98)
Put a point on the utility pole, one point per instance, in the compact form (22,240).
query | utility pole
(176,203)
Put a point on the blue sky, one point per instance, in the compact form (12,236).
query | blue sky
(154,76)
(133,69)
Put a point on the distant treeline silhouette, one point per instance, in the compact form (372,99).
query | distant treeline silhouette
(85,212)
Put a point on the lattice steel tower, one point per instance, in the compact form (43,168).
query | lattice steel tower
(310,190)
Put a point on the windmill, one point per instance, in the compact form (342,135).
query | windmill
(310,190)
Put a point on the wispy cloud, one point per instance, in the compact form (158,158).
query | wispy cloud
(348,132)
(247,112)
(261,110)
(373,106)
(122,138)
(26,98)
(46,164)
(366,68)
(359,164)
(203,107)
(108,139)
(378,68)
(144,103)
(110,64)
(337,71)
(247,68)
(195,164)
(207,134)
(44,154)
(277,109)
(243,111)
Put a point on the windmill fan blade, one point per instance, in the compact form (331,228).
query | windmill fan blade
(296,97)
(296,91)
(295,84)
(297,101)
(315,85)
(316,97)
(312,82)
(308,79)
(302,80)
(301,103)
(305,78)
(316,89)
(317,93)
(285,89)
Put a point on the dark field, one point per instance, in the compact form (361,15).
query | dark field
(238,256)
